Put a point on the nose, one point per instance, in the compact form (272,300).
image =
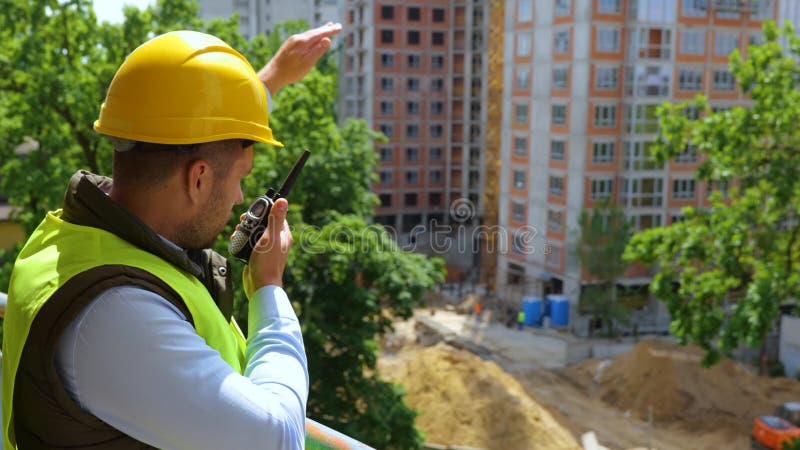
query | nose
(239,196)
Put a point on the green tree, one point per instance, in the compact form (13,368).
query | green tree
(724,271)
(604,234)
(346,279)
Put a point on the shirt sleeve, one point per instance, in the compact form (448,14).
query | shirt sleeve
(131,359)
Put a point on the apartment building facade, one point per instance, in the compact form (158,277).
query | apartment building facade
(260,16)
(583,80)
(417,72)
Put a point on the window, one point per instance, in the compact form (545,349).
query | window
(636,155)
(436,130)
(387,12)
(520,146)
(763,10)
(385,176)
(386,200)
(412,108)
(724,81)
(609,7)
(555,220)
(387,84)
(607,40)
(523,44)
(640,119)
(437,84)
(641,222)
(694,8)
(518,212)
(387,60)
(412,131)
(523,77)
(387,36)
(720,186)
(559,113)
(677,218)
(690,80)
(648,81)
(602,188)
(724,43)
(650,43)
(525,11)
(435,199)
(603,152)
(521,114)
(519,179)
(437,62)
(606,78)
(413,37)
(386,154)
(387,108)
(438,15)
(682,188)
(557,150)
(414,61)
(662,11)
(412,177)
(562,42)
(412,154)
(693,42)
(519,244)
(642,192)
(605,116)
(414,13)
(437,108)
(563,7)
(687,156)
(691,112)
(728,9)
(411,199)
(412,84)
(387,129)
(435,176)
(553,257)
(435,153)
(556,185)
(560,78)
(437,38)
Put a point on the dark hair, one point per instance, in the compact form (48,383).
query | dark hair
(148,164)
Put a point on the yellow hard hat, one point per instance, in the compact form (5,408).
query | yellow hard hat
(186,87)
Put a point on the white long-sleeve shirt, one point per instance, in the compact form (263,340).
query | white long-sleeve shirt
(131,359)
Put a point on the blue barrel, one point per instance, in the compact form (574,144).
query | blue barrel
(532,307)
(559,310)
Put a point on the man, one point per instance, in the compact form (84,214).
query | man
(118,331)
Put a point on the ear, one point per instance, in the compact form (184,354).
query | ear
(198,181)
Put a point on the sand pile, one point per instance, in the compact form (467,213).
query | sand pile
(464,400)
(669,378)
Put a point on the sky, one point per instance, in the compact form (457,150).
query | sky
(111,10)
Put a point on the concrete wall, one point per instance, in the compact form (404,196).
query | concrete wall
(789,347)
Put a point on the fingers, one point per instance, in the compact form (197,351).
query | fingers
(277,219)
(326,31)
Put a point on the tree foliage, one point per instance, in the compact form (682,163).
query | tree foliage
(604,235)
(724,271)
(346,279)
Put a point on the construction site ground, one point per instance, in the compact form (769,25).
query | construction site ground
(481,384)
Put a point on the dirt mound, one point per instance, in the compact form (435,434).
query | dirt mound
(669,378)
(464,400)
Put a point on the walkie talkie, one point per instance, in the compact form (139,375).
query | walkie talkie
(255,219)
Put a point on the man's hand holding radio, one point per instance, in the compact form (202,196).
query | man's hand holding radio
(270,253)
